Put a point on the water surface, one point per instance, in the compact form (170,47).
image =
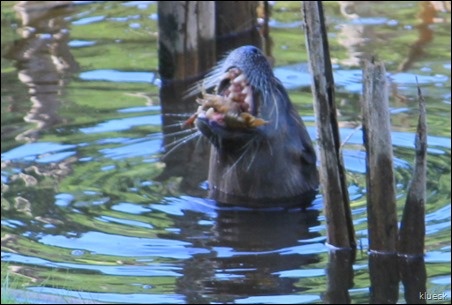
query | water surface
(90,208)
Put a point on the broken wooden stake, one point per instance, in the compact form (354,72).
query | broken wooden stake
(412,227)
(381,194)
(340,231)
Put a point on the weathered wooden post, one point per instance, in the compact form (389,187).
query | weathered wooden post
(186,53)
(340,231)
(381,194)
(414,277)
(236,25)
(186,38)
(339,276)
(264,13)
(412,227)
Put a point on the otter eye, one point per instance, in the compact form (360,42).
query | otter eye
(254,50)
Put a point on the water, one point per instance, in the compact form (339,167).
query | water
(90,209)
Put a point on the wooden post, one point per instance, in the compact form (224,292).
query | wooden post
(381,199)
(340,232)
(339,276)
(186,53)
(236,25)
(384,278)
(264,13)
(412,227)
(186,38)
(381,194)
(414,278)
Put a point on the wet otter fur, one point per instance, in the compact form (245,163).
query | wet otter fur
(271,165)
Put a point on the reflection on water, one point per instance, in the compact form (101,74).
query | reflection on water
(250,253)
(99,180)
(44,61)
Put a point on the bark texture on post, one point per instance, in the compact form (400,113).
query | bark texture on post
(339,273)
(186,38)
(412,227)
(381,194)
(340,232)
(186,53)
(236,25)
(414,278)
(384,278)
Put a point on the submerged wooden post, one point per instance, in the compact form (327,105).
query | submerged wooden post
(186,53)
(340,232)
(412,227)
(186,38)
(381,195)
(414,278)
(384,278)
(339,273)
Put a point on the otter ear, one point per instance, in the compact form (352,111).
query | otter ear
(308,155)
(305,153)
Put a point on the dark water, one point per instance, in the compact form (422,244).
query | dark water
(90,209)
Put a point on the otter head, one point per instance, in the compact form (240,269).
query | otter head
(262,154)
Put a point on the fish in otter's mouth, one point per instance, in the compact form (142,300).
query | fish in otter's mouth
(262,154)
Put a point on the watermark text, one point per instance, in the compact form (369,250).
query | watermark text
(433,296)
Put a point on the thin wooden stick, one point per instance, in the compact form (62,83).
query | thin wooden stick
(412,227)
(340,232)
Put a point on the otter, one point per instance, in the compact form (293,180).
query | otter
(261,155)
